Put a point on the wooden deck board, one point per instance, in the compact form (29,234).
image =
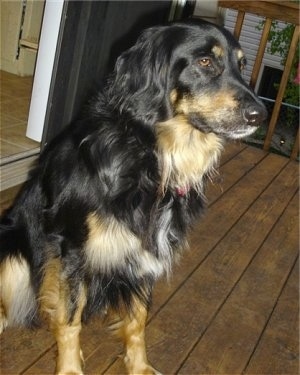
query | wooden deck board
(277,350)
(231,304)
(245,313)
(231,172)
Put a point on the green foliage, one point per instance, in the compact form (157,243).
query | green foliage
(280,40)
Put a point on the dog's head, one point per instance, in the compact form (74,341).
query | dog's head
(192,70)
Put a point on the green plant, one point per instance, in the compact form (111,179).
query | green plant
(280,39)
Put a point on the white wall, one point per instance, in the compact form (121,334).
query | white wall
(13,21)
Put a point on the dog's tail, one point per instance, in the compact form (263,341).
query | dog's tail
(17,297)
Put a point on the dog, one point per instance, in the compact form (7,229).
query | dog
(108,207)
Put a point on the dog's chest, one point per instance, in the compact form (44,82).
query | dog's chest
(185,154)
(111,247)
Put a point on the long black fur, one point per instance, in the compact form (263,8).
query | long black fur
(106,162)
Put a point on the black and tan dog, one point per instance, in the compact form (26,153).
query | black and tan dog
(108,206)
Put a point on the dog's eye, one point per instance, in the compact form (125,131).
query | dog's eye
(243,63)
(205,61)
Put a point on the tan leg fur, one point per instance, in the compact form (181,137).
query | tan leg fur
(54,296)
(132,331)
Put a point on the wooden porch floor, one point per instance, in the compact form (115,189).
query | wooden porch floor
(231,306)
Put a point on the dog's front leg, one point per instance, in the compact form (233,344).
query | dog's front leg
(64,317)
(132,331)
(69,354)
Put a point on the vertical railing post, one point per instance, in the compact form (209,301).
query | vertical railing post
(260,52)
(239,24)
(295,150)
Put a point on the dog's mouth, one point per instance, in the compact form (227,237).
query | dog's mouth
(240,133)
(230,131)
(232,125)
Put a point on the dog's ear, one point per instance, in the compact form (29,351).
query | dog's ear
(140,85)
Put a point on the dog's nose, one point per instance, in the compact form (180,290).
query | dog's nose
(254,115)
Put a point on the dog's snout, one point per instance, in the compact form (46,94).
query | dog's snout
(255,114)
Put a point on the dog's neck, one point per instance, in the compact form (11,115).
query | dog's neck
(185,155)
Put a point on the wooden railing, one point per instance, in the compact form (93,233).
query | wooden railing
(272,10)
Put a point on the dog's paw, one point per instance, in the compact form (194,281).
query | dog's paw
(155,372)
(3,324)
(151,371)
(139,367)
(146,370)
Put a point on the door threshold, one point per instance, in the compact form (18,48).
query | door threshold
(14,169)
(19,156)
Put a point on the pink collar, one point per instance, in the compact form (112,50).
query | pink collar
(182,191)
